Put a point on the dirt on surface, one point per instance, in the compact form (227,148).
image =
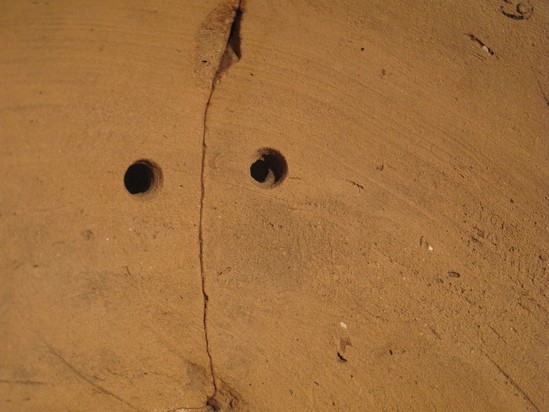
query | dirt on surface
(274,206)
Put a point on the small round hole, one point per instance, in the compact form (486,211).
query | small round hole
(143,176)
(269,168)
(259,171)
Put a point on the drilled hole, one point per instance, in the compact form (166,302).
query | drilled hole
(259,171)
(269,168)
(142,177)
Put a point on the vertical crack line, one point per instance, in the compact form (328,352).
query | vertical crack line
(201,242)
(230,56)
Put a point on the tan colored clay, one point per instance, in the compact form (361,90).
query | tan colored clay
(399,265)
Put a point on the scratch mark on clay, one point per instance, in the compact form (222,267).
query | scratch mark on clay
(85,378)
(434,332)
(481,44)
(545,97)
(22,382)
(513,383)
(340,358)
(497,334)
(360,187)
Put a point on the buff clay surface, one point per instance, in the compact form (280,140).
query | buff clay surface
(255,205)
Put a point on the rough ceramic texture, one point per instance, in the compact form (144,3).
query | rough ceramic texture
(400,265)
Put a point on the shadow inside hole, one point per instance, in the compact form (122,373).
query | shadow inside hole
(259,171)
(270,168)
(141,177)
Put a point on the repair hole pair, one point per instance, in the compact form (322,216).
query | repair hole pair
(268,169)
